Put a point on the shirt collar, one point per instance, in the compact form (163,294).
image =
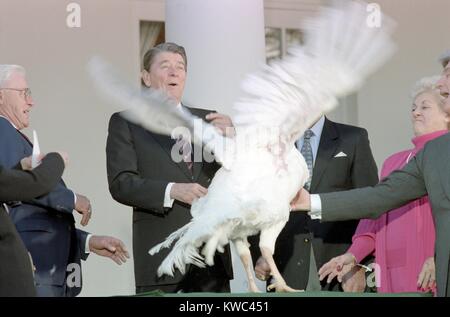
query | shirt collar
(318,127)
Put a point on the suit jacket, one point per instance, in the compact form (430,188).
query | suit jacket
(428,172)
(139,168)
(15,269)
(357,169)
(46,225)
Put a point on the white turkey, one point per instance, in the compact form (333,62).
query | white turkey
(261,168)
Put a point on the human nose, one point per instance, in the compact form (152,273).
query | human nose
(173,71)
(30,101)
(440,82)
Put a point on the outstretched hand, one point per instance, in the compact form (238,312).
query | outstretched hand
(109,247)
(337,267)
(301,201)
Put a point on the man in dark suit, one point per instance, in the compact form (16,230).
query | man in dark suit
(46,225)
(16,273)
(341,160)
(428,172)
(142,174)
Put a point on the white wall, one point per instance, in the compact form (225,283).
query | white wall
(384,103)
(69,116)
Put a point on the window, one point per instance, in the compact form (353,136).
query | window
(278,41)
(150,34)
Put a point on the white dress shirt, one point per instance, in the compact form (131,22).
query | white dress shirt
(316,207)
(168,201)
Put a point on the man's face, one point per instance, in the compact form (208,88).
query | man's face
(168,73)
(14,102)
(444,87)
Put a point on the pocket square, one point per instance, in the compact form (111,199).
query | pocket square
(341,154)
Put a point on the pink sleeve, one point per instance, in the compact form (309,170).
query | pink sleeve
(363,240)
(365,235)
(426,217)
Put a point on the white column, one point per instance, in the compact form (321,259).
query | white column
(224,40)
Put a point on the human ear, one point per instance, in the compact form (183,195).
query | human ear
(146,78)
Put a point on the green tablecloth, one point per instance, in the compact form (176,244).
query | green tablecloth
(296,294)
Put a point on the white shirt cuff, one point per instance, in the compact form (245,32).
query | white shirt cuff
(168,202)
(316,207)
(74,198)
(86,247)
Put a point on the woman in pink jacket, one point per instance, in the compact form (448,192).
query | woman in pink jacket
(402,240)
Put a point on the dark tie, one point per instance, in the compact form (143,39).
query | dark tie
(308,155)
(186,152)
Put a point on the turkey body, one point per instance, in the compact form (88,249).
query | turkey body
(253,195)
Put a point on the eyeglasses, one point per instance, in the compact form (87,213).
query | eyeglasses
(26,92)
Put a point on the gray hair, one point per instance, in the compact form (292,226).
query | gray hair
(426,84)
(7,70)
(163,47)
(444,58)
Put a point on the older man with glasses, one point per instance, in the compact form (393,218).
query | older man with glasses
(46,225)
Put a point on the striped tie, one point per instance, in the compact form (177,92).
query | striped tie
(308,155)
(186,151)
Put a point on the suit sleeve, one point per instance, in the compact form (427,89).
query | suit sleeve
(363,242)
(60,198)
(399,188)
(18,185)
(126,185)
(364,170)
(81,237)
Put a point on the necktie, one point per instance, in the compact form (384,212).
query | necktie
(308,155)
(186,152)
(313,279)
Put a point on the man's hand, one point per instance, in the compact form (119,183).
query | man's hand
(262,269)
(65,157)
(187,192)
(337,267)
(223,123)
(427,276)
(25,163)
(301,201)
(83,206)
(354,281)
(109,247)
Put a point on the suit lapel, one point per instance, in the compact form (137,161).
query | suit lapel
(166,144)
(21,138)
(25,138)
(327,148)
(198,150)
